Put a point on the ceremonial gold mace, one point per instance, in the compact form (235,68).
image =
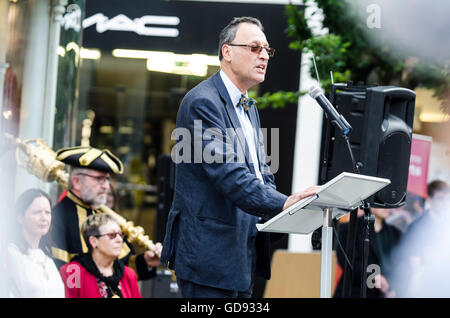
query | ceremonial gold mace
(40,160)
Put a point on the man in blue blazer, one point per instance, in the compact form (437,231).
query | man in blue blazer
(223,186)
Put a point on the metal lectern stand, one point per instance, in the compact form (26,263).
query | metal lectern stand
(333,199)
(326,252)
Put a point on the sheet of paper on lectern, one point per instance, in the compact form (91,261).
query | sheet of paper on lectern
(343,193)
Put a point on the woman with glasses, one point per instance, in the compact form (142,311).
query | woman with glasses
(99,273)
(32,272)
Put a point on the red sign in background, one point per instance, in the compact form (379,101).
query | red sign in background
(418,165)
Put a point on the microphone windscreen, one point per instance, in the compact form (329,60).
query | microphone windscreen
(315,91)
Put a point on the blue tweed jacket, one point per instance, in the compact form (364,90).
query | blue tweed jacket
(211,236)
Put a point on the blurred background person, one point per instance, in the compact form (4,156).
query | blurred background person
(383,239)
(112,198)
(32,271)
(424,248)
(99,273)
(436,210)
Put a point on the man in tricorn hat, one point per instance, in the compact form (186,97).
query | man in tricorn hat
(90,171)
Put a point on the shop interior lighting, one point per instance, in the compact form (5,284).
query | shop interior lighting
(90,54)
(74,47)
(106,129)
(61,51)
(125,130)
(132,54)
(124,150)
(169,62)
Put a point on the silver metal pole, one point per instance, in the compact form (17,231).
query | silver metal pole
(51,78)
(326,253)
(33,87)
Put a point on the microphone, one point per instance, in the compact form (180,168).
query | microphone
(331,112)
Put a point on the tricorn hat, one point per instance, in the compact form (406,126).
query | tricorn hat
(90,158)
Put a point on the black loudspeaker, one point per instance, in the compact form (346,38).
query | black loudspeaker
(382,120)
(165,173)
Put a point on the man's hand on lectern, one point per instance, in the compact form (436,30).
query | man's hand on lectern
(300,195)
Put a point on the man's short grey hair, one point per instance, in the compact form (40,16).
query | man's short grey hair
(228,33)
(73,171)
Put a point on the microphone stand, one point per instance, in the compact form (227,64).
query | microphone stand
(368,222)
(344,128)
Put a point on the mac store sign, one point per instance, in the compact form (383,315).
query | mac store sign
(187,27)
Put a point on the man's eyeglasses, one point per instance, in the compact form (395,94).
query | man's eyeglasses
(257,48)
(112,235)
(100,179)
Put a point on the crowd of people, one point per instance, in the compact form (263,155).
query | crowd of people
(403,259)
(100,271)
(73,250)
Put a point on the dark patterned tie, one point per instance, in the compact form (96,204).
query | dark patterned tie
(246,102)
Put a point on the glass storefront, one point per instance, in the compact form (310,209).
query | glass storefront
(134,115)
(137,64)
(29,37)
(15,19)
(28,81)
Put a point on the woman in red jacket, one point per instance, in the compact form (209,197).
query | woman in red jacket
(99,273)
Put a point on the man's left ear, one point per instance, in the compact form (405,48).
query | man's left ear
(77,183)
(226,52)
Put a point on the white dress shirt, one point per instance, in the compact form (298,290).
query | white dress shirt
(235,96)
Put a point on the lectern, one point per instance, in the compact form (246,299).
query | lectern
(333,200)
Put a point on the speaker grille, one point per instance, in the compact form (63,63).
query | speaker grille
(393,160)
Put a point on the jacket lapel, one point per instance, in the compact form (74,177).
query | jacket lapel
(252,116)
(230,109)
